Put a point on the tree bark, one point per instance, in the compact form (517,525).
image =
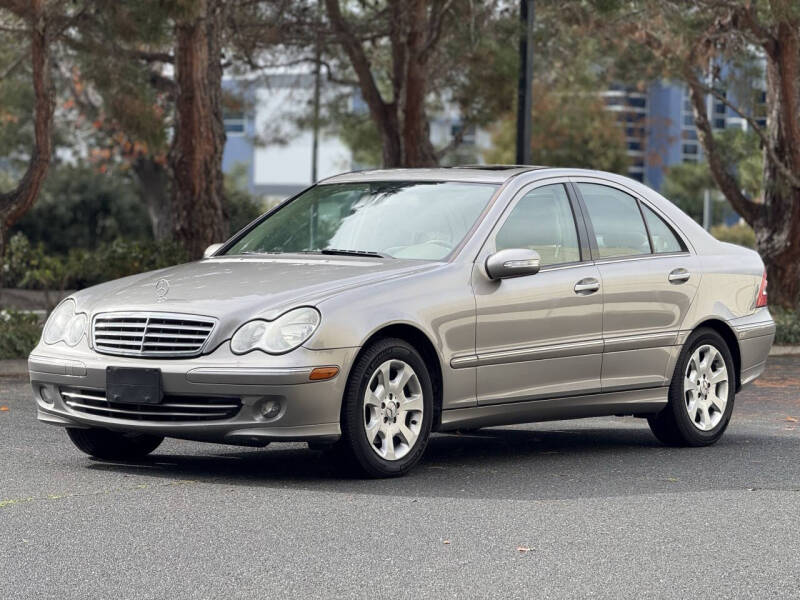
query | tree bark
(15,203)
(195,157)
(417,148)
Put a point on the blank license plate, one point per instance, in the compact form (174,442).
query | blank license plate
(133,386)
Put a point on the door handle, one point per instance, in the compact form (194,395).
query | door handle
(587,286)
(679,275)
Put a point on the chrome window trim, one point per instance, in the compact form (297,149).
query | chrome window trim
(153,315)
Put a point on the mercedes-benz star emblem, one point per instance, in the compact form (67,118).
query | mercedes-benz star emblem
(162,287)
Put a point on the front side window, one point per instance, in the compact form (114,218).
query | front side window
(400,219)
(542,220)
(664,239)
(618,226)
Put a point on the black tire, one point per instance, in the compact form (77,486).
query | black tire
(673,426)
(354,443)
(113,445)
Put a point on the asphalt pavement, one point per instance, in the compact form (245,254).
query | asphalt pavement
(571,509)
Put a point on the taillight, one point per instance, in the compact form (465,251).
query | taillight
(761,298)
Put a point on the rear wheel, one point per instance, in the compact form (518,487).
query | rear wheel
(701,393)
(113,445)
(387,409)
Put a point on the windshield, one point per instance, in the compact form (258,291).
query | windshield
(421,220)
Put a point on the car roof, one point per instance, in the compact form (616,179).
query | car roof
(467,173)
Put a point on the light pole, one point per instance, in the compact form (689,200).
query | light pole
(525,81)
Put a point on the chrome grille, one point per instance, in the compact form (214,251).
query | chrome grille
(172,408)
(151,334)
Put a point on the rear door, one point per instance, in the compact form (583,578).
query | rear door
(649,282)
(540,335)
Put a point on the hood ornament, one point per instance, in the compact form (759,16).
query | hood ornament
(162,288)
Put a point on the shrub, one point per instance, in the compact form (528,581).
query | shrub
(19,333)
(28,266)
(787,323)
(741,234)
(80,207)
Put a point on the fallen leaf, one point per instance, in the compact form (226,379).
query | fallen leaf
(446,542)
(3,408)
(790,419)
(523,549)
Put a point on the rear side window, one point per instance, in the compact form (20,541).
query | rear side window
(618,225)
(542,220)
(664,239)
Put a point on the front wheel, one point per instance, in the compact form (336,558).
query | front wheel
(387,409)
(701,393)
(113,445)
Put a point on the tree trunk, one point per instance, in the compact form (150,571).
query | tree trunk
(417,148)
(775,220)
(154,192)
(195,157)
(401,123)
(15,203)
(777,225)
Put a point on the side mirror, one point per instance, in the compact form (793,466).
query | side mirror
(211,250)
(513,262)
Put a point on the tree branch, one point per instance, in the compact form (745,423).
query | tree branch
(15,203)
(726,182)
(435,29)
(781,166)
(360,62)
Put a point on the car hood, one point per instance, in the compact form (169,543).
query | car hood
(236,289)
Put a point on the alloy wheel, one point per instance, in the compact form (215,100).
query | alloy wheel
(393,409)
(705,387)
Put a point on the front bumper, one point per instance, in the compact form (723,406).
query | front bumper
(309,410)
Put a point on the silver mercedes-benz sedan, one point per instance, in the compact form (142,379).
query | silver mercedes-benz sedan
(377,307)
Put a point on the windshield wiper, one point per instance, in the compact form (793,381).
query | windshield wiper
(341,252)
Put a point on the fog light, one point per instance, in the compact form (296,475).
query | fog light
(270,409)
(48,393)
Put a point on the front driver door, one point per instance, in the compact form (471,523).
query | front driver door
(539,336)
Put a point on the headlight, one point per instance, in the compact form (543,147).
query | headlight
(283,334)
(64,325)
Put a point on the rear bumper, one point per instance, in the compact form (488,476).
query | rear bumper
(309,410)
(755,336)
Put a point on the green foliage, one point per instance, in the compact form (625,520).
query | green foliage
(787,323)
(569,129)
(686,183)
(741,234)
(241,206)
(29,266)
(19,333)
(80,207)
(741,150)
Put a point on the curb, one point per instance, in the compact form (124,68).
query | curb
(784,350)
(14,368)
